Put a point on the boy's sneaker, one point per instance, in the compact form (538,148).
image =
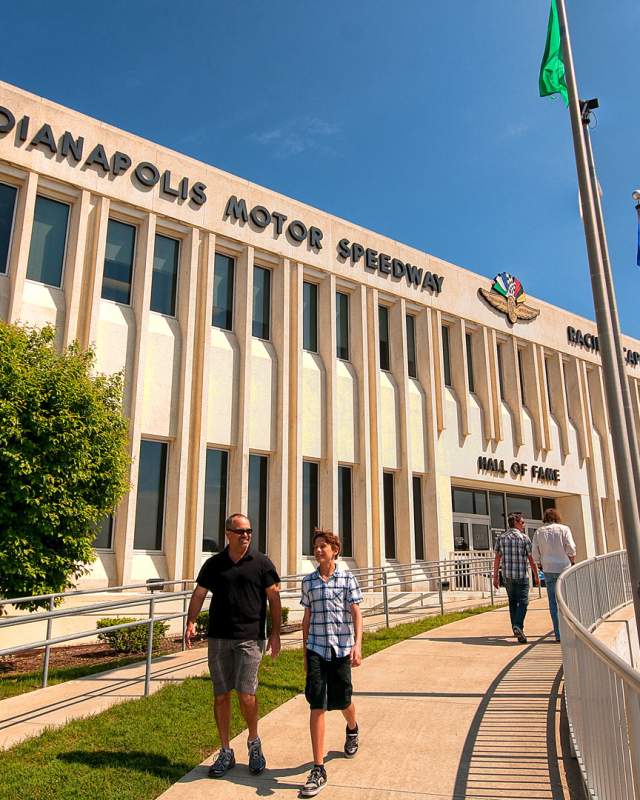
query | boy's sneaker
(223,763)
(257,761)
(316,781)
(519,634)
(351,743)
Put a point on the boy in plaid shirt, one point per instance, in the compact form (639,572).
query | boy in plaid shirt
(332,636)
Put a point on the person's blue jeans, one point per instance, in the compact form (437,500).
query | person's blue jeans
(518,594)
(550,580)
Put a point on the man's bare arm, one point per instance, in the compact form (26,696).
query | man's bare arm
(356,652)
(306,624)
(195,604)
(496,567)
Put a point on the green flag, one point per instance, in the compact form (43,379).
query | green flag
(552,80)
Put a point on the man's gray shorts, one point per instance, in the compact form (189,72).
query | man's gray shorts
(233,664)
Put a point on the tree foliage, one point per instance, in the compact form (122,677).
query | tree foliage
(63,460)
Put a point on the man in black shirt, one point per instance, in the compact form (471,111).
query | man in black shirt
(240,580)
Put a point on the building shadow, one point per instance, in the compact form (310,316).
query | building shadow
(517,745)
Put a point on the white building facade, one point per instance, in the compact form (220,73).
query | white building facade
(290,365)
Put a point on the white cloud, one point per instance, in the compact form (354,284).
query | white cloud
(299,135)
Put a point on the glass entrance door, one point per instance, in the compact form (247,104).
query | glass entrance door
(470,533)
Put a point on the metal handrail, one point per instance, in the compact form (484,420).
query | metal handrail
(374,580)
(602,690)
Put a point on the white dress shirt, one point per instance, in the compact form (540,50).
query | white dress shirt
(553,546)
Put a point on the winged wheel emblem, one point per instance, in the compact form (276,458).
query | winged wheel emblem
(507,295)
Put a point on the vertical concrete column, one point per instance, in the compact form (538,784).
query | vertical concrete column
(141,297)
(294,522)
(75,266)
(531,399)
(431,378)
(512,395)
(178,462)
(601,424)
(90,309)
(577,407)
(438,369)
(405,546)
(494,382)
(239,461)
(362,476)
(19,258)
(594,492)
(558,406)
(194,520)
(634,391)
(481,356)
(543,395)
(328,472)
(459,375)
(377,508)
(278,479)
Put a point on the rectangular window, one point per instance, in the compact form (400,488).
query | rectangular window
(310,317)
(446,358)
(521,376)
(309,505)
(412,366)
(389,515)
(48,242)
(496,510)
(342,326)
(500,371)
(383,325)
(344,511)
(152,469)
(418,525)
(258,498)
(469,344)
(8,196)
(215,500)
(104,533)
(469,501)
(261,303)
(118,262)
(223,275)
(164,282)
(528,506)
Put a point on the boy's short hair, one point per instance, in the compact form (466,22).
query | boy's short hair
(329,537)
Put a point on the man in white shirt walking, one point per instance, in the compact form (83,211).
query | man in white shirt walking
(554,550)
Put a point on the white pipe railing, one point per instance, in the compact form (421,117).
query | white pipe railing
(419,578)
(602,691)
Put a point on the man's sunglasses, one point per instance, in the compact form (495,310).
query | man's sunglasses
(240,531)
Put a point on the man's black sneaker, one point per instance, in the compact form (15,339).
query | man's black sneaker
(257,761)
(223,763)
(519,634)
(316,781)
(351,743)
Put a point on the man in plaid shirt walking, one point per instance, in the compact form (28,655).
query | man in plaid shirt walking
(513,548)
(332,636)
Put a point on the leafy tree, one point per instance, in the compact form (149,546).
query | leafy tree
(63,460)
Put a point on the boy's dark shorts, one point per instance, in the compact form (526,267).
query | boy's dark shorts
(328,684)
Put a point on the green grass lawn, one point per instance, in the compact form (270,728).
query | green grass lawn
(28,681)
(136,750)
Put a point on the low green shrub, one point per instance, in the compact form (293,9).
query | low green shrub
(130,640)
(202,622)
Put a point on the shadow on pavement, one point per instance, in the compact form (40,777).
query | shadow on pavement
(516,746)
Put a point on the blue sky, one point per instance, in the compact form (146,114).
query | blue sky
(419,119)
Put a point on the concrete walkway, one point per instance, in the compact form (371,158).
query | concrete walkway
(27,715)
(460,712)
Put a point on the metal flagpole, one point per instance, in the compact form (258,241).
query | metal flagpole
(613,307)
(619,433)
